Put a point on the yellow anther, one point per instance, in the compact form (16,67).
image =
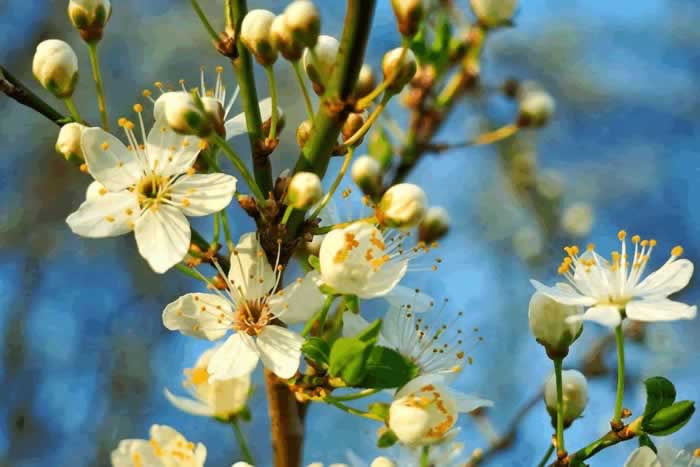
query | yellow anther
(129,125)
(652,242)
(182,82)
(138,108)
(621,235)
(590,247)
(696,453)
(129,211)
(103,191)
(199,376)
(146,93)
(677,251)
(104,146)
(644,243)
(83,167)
(636,239)
(158,84)
(219,69)
(203,145)
(109,218)
(122,121)
(190,171)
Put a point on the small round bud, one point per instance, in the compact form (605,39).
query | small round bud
(283,40)
(435,225)
(304,21)
(304,190)
(399,70)
(535,108)
(494,13)
(575,389)
(382,461)
(409,14)
(89,17)
(184,116)
(577,219)
(549,325)
(319,65)
(256,35)
(528,243)
(68,142)
(55,66)
(402,206)
(351,126)
(304,132)
(365,82)
(367,173)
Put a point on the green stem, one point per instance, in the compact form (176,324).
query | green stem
(336,183)
(357,395)
(73,109)
(97,75)
(227,230)
(351,410)
(217,230)
(425,456)
(319,317)
(270,72)
(287,213)
(203,18)
(245,450)
(302,84)
(560,405)
(189,272)
(240,166)
(547,455)
(620,340)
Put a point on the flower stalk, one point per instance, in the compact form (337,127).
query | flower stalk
(270,72)
(620,342)
(242,443)
(561,447)
(97,75)
(305,92)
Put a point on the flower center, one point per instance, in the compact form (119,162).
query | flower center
(252,316)
(152,190)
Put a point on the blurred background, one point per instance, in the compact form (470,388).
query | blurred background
(85,357)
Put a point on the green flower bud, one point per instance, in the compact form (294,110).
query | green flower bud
(304,21)
(365,82)
(367,175)
(284,41)
(256,36)
(319,65)
(401,70)
(435,225)
(184,115)
(55,66)
(89,17)
(549,325)
(409,14)
(535,107)
(575,391)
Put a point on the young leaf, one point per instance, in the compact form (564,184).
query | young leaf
(387,439)
(314,262)
(381,409)
(317,350)
(669,419)
(660,394)
(348,359)
(386,368)
(645,440)
(371,333)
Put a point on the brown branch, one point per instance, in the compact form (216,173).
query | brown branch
(286,422)
(14,89)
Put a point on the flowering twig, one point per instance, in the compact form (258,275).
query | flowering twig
(13,88)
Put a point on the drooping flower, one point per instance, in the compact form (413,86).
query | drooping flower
(609,288)
(165,448)
(218,398)
(250,306)
(644,456)
(425,410)
(149,189)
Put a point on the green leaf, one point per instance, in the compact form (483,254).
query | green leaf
(380,409)
(348,359)
(314,262)
(387,439)
(386,368)
(669,419)
(645,440)
(371,332)
(660,394)
(317,350)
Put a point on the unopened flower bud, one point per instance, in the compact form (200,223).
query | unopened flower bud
(575,391)
(549,325)
(351,126)
(494,13)
(535,108)
(577,219)
(366,172)
(304,132)
(304,21)
(304,190)
(184,116)
(68,142)
(382,461)
(365,82)
(402,206)
(55,66)
(256,35)
(399,65)
(284,41)
(435,225)
(89,17)
(320,64)
(216,113)
(409,14)
(266,115)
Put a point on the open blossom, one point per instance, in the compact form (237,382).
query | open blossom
(218,398)
(425,410)
(645,457)
(165,448)
(609,288)
(249,307)
(148,189)
(362,260)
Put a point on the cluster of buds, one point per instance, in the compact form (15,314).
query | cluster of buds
(89,17)
(575,392)
(55,66)
(403,206)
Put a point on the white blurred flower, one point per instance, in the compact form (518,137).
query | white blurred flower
(249,307)
(165,448)
(148,189)
(609,288)
(218,398)
(645,457)
(577,219)
(494,13)
(528,243)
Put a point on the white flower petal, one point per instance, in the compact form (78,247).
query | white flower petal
(563,294)
(200,453)
(605,315)
(163,237)
(469,402)
(109,161)
(280,350)
(643,457)
(298,301)
(123,456)
(409,299)
(659,310)
(189,405)
(250,271)
(107,215)
(237,356)
(203,194)
(170,153)
(237,125)
(384,280)
(199,315)
(95,190)
(668,279)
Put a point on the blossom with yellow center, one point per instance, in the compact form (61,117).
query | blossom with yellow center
(617,288)
(165,448)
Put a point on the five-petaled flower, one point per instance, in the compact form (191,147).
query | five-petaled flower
(165,448)
(149,189)
(250,307)
(617,288)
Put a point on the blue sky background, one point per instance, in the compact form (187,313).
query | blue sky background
(85,357)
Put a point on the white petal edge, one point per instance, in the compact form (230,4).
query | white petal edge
(469,402)
(661,310)
(238,356)
(203,194)
(668,279)
(108,215)
(565,296)
(163,237)
(109,161)
(280,350)
(189,405)
(409,299)
(250,272)
(643,457)
(299,301)
(186,316)
(605,315)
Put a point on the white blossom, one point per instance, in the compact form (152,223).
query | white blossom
(165,448)
(644,456)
